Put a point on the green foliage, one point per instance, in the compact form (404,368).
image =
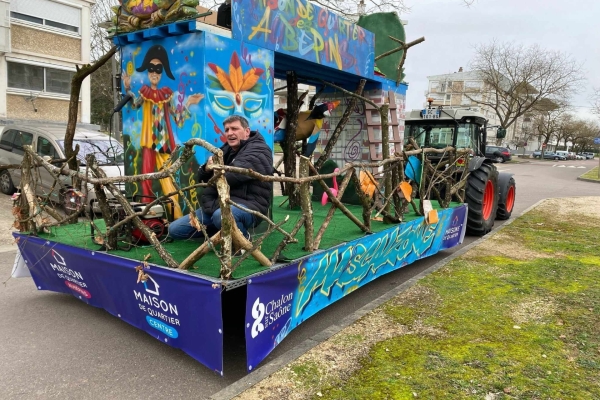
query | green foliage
(383,25)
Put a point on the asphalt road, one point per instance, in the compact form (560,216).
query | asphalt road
(54,346)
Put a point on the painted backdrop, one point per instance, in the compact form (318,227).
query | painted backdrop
(183,87)
(301,29)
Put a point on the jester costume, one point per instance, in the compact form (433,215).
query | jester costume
(157,140)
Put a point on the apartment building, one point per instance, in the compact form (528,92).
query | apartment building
(41,42)
(467,89)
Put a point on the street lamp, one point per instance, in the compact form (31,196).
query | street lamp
(361,7)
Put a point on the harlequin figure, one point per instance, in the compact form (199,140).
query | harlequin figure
(158,106)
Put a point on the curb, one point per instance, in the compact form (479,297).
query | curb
(275,365)
(588,180)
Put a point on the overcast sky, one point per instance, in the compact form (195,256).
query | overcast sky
(451,30)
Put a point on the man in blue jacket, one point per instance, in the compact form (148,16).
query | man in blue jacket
(244,149)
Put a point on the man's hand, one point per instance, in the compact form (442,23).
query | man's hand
(126,81)
(209,164)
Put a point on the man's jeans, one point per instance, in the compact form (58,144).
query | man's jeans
(182,229)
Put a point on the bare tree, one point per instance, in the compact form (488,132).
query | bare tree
(547,123)
(596,101)
(101,81)
(101,13)
(580,133)
(517,78)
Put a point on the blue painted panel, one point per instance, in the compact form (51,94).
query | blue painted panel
(279,301)
(304,30)
(238,80)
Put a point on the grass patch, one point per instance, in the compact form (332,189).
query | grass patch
(307,374)
(591,174)
(277,148)
(526,328)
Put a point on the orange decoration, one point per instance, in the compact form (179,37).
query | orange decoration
(406,190)
(368,184)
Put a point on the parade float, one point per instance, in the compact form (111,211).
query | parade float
(361,203)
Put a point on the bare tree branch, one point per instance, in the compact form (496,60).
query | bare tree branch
(517,78)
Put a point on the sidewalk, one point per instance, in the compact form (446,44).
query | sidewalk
(514,315)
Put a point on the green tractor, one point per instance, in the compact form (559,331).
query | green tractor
(489,194)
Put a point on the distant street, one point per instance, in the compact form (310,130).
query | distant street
(55,346)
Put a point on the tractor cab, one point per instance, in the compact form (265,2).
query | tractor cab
(439,127)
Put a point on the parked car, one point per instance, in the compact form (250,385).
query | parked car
(588,156)
(549,155)
(563,153)
(498,154)
(579,157)
(48,141)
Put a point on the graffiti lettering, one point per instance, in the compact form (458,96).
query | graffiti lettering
(310,32)
(354,265)
(289,42)
(308,43)
(263,22)
(305,11)
(287,6)
(332,265)
(347,60)
(334,51)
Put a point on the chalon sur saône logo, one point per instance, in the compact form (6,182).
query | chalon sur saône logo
(162,315)
(73,279)
(265,315)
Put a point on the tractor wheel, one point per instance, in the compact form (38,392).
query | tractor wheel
(507,201)
(482,199)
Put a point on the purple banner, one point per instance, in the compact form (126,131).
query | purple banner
(269,314)
(454,230)
(281,300)
(181,310)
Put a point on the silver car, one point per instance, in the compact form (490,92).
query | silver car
(48,141)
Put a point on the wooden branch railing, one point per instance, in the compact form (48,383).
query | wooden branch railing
(230,237)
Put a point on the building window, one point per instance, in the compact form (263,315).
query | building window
(472,85)
(448,97)
(46,22)
(47,13)
(24,76)
(39,79)
(58,81)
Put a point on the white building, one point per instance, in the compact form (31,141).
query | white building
(465,89)
(41,41)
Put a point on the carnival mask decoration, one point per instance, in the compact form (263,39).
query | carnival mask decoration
(236,92)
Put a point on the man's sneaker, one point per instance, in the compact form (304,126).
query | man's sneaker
(239,253)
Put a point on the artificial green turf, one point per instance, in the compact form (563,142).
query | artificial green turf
(340,230)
